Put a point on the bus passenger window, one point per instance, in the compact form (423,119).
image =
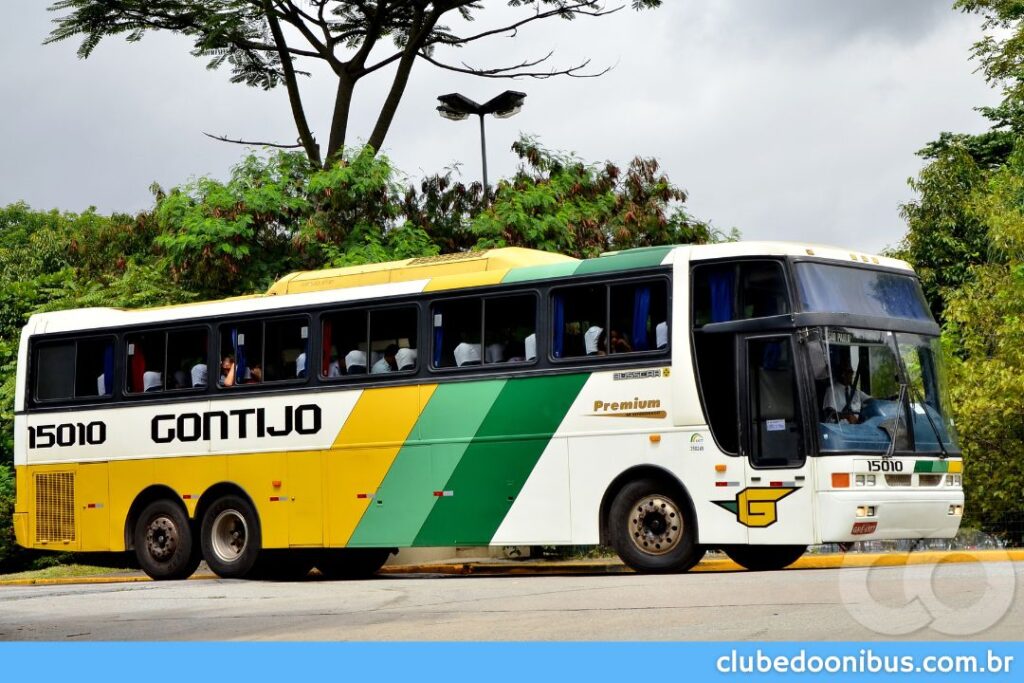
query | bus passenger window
(55,371)
(241,354)
(79,369)
(457,327)
(186,360)
(343,349)
(285,347)
(762,291)
(578,324)
(393,340)
(636,311)
(144,362)
(508,322)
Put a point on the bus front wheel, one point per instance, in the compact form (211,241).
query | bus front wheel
(764,558)
(231,537)
(652,528)
(163,541)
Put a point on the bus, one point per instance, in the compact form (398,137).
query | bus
(750,397)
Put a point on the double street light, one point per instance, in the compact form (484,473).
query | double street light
(456,107)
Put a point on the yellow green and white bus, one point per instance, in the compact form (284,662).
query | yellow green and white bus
(751,397)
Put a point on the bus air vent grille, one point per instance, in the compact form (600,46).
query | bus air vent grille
(929,479)
(55,507)
(898,479)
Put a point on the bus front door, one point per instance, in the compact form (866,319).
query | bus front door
(776,504)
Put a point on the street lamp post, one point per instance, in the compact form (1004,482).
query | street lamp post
(456,107)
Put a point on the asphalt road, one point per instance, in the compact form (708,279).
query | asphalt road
(979,601)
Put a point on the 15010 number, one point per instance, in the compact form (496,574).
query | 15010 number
(885,465)
(70,434)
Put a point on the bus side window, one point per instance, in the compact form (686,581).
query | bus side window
(762,290)
(145,356)
(578,321)
(457,327)
(738,291)
(285,350)
(186,360)
(508,322)
(393,346)
(241,346)
(55,371)
(343,342)
(77,369)
(637,309)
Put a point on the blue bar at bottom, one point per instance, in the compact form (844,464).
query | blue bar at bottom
(499,662)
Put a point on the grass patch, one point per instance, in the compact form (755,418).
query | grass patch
(66,571)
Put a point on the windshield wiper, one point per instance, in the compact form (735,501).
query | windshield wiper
(896,427)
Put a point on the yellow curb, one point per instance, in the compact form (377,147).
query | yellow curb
(612,566)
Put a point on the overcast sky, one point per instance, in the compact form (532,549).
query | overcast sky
(787,119)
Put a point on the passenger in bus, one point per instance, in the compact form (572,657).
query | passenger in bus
(355,362)
(253,375)
(387,362)
(620,343)
(227,371)
(334,366)
(467,354)
(199,373)
(181,378)
(152,381)
(843,401)
(405,359)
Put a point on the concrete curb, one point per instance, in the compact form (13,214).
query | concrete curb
(607,566)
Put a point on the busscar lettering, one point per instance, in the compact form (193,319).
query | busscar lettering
(241,423)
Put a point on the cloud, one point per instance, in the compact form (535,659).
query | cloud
(794,119)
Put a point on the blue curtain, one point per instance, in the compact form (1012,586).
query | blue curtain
(641,311)
(771,359)
(438,344)
(558,321)
(721,295)
(108,369)
(239,350)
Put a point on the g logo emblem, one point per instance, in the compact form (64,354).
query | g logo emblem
(756,506)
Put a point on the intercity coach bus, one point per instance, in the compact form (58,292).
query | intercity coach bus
(751,397)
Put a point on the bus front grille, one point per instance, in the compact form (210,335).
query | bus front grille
(55,507)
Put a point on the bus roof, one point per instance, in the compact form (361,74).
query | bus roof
(435,273)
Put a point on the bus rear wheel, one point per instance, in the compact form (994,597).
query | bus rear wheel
(764,558)
(352,563)
(652,528)
(231,537)
(163,541)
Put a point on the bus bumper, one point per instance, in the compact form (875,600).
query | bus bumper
(848,516)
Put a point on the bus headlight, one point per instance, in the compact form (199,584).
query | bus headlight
(866,480)
(865,510)
(954,480)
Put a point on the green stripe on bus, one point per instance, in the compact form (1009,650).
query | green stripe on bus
(545,272)
(627,260)
(494,468)
(445,429)
(931,466)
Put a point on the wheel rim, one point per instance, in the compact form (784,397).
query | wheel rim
(655,525)
(229,535)
(162,538)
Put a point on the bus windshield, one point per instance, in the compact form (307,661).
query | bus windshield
(860,291)
(880,392)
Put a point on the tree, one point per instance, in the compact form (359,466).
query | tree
(556,202)
(264,42)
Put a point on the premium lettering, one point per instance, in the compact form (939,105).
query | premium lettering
(241,423)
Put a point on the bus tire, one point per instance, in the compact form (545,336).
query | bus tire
(652,529)
(352,563)
(764,558)
(231,537)
(164,545)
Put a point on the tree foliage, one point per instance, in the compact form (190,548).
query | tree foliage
(265,44)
